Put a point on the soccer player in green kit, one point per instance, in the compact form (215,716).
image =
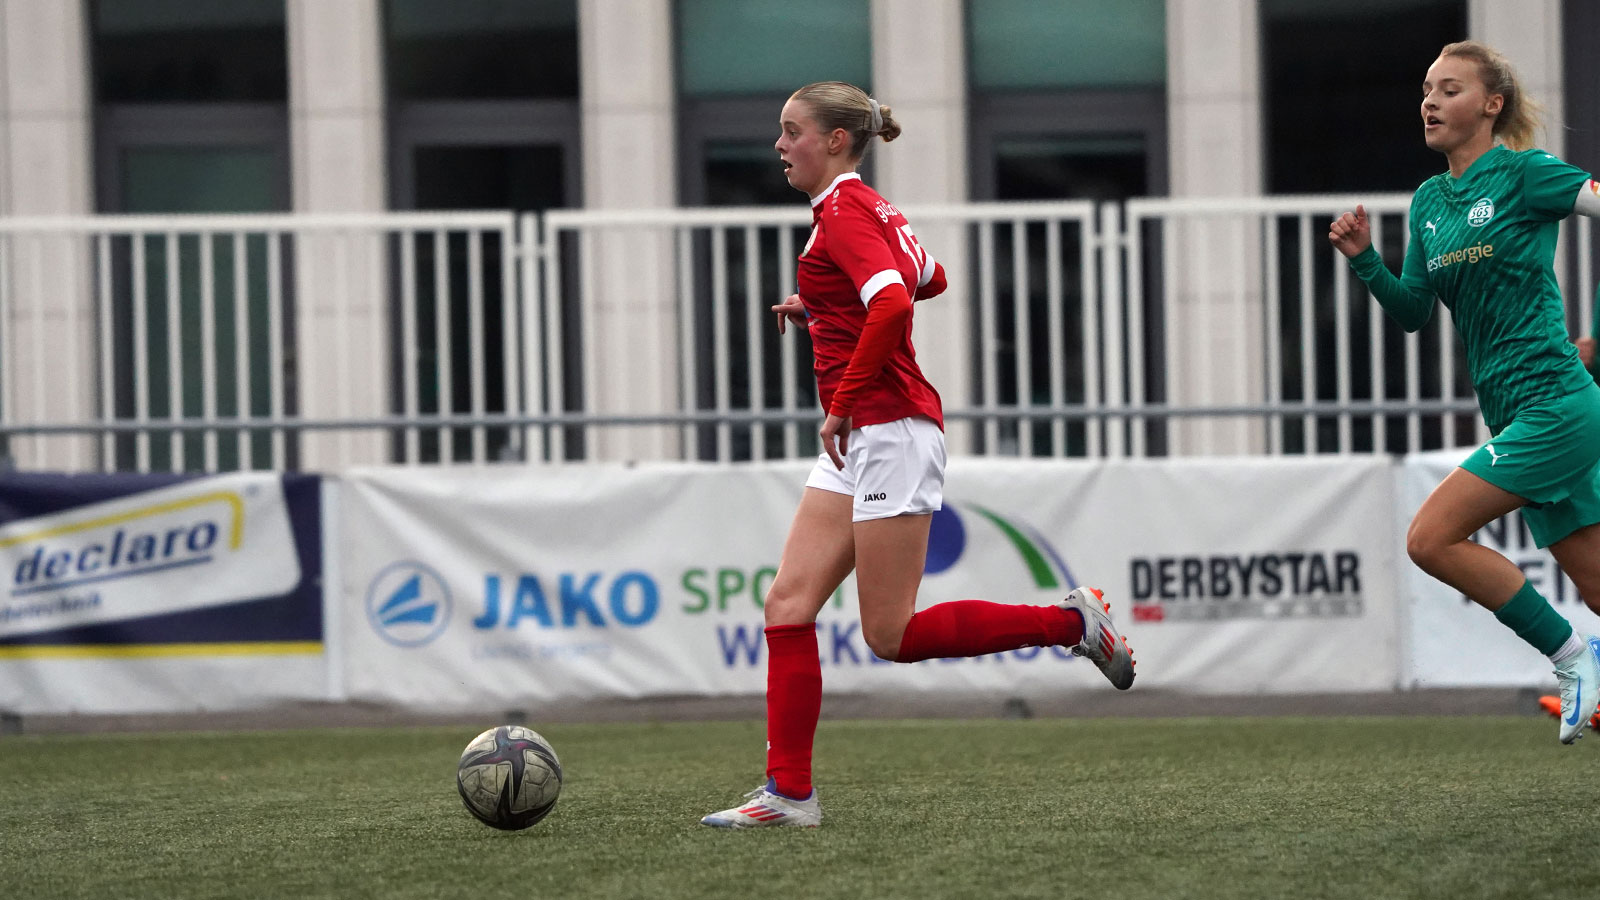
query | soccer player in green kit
(1483,241)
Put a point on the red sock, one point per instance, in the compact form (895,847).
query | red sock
(794,703)
(976,627)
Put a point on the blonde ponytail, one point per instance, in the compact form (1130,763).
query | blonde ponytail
(1519,116)
(835,104)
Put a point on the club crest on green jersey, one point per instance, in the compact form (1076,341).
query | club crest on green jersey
(1480,213)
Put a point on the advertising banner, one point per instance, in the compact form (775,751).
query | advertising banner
(1454,641)
(475,586)
(1267,575)
(159,592)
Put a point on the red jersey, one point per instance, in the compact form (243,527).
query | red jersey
(859,245)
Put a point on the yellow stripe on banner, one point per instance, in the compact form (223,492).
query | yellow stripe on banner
(232,498)
(146,651)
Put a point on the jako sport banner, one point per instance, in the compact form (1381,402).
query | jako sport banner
(486,586)
(159,593)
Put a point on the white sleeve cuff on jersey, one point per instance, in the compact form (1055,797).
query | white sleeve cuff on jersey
(1588,202)
(878,282)
(926,275)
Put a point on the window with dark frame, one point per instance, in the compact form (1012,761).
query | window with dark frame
(1067,101)
(482,99)
(1332,127)
(190,116)
(738,61)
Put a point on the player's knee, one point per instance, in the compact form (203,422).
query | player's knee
(785,608)
(779,610)
(1417,548)
(1423,546)
(883,638)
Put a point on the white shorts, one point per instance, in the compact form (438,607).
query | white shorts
(892,469)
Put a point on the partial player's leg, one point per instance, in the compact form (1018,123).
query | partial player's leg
(817,555)
(1578,554)
(890,555)
(1439,539)
(1439,543)
(901,483)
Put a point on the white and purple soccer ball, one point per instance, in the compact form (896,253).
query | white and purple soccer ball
(509,777)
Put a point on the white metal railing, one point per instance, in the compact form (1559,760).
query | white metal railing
(723,268)
(205,342)
(1154,327)
(1300,306)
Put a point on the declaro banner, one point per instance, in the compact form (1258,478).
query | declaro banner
(1454,641)
(479,586)
(153,593)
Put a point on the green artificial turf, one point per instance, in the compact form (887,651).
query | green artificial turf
(1455,807)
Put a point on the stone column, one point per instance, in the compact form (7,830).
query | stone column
(629,276)
(1529,34)
(49,361)
(1214,348)
(336,135)
(919,69)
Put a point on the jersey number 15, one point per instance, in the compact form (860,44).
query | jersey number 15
(908,243)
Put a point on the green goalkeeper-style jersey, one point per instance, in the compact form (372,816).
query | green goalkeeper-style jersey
(1484,245)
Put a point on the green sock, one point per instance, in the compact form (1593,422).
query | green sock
(1534,620)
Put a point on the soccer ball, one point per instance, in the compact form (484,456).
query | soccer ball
(509,777)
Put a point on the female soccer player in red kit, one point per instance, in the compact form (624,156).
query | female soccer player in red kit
(869,501)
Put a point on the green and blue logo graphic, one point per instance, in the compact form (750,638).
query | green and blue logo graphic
(948,539)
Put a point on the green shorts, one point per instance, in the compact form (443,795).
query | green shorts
(1550,456)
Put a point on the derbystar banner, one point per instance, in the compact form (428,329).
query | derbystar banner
(1454,641)
(468,586)
(151,592)
(1269,575)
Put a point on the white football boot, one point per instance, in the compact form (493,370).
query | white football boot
(1101,644)
(1579,680)
(765,808)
